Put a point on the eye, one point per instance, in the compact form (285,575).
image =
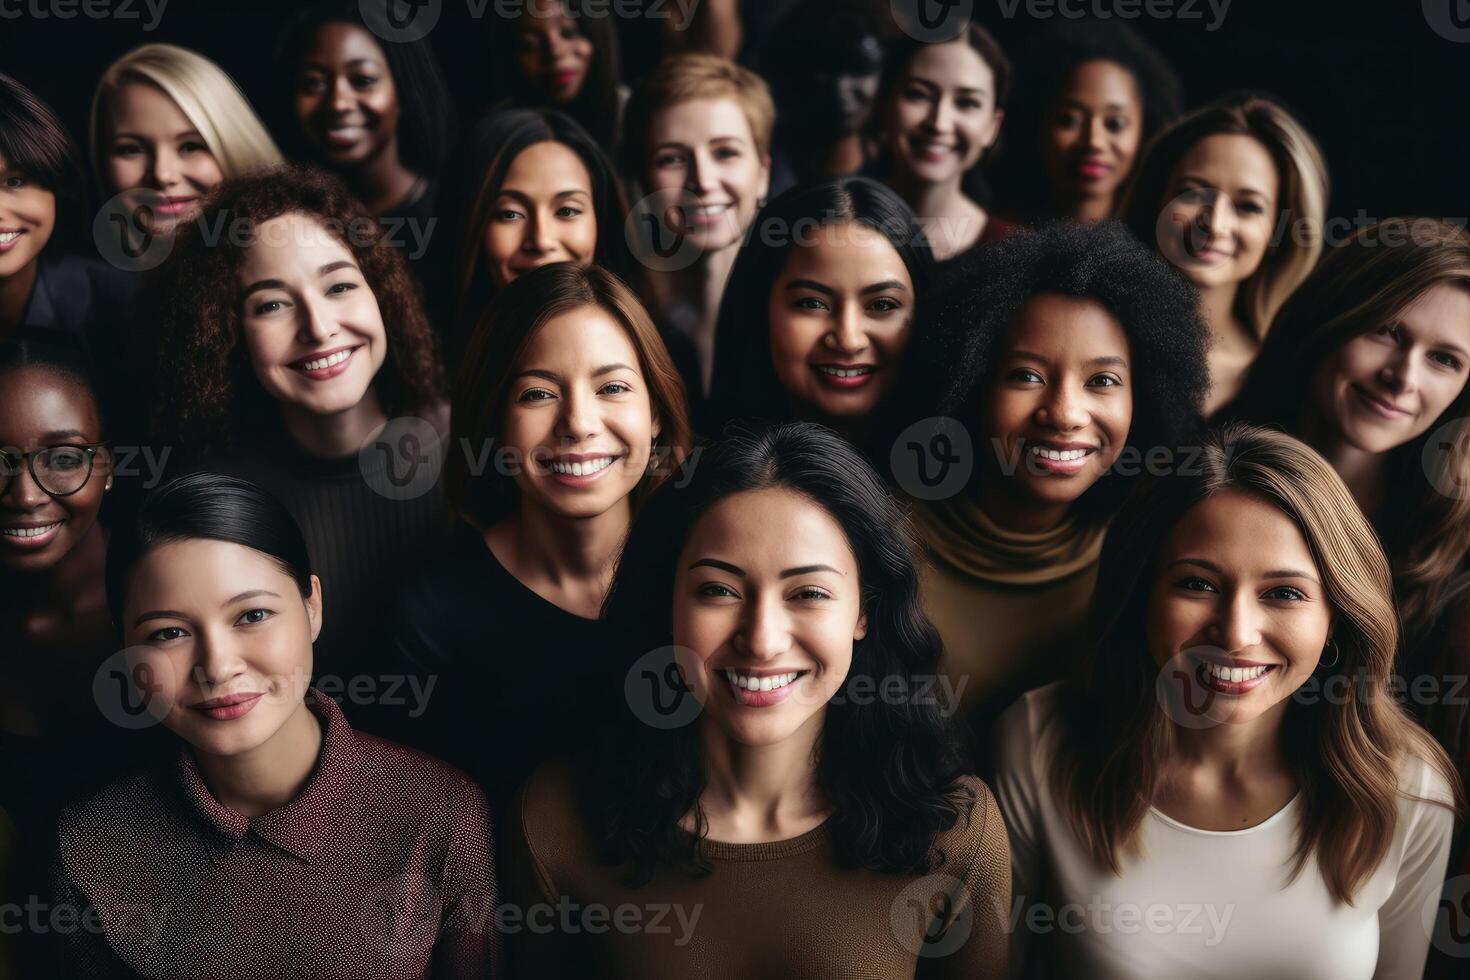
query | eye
(126,150)
(1194,583)
(1115,124)
(1250,207)
(363,81)
(535,395)
(268,306)
(166,634)
(16,181)
(1446,360)
(568,211)
(251,617)
(714,590)
(193,147)
(969,104)
(915,93)
(507,215)
(311,84)
(614,388)
(810,304)
(1389,331)
(338,288)
(1286,593)
(885,305)
(570,33)
(668,160)
(1104,381)
(1025,376)
(1068,120)
(811,594)
(727,153)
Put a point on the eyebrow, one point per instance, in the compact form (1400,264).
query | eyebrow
(738,571)
(522,195)
(1273,573)
(965,89)
(64,434)
(174,614)
(1107,360)
(877,287)
(325,270)
(184,134)
(1110,107)
(1247,189)
(553,376)
(669,144)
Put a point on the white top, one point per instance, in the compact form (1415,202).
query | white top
(1205,903)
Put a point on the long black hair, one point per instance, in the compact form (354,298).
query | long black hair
(210,506)
(744,382)
(890,767)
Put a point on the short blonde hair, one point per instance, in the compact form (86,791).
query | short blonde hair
(1301,204)
(206,96)
(684,78)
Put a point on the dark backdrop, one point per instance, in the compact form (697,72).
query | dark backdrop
(1386,95)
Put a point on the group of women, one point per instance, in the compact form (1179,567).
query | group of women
(489,554)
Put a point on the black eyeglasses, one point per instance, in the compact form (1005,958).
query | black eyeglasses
(59,470)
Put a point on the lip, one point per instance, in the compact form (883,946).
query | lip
(1207,256)
(171,206)
(563,77)
(585,480)
(1384,409)
(229,707)
(1233,688)
(35,543)
(760,699)
(1059,467)
(1093,169)
(326,373)
(693,217)
(924,149)
(845,384)
(7,246)
(339,135)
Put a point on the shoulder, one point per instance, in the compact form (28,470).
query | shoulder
(462,564)
(1034,714)
(547,821)
(120,808)
(976,844)
(1421,783)
(417,780)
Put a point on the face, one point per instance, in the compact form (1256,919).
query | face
(153,149)
(943,115)
(704,164)
(1388,385)
(223,635)
(552,52)
(40,409)
(581,415)
(311,323)
(1091,131)
(840,316)
(767,596)
(1061,403)
(27,218)
(1238,605)
(543,213)
(1219,211)
(345,98)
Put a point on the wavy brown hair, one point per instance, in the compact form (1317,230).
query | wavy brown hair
(1347,752)
(483,380)
(190,345)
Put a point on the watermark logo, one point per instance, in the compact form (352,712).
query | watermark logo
(932,21)
(658,690)
(1440,460)
(933,458)
(932,916)
(132,691)
(400,21)
(1445,916)
(1183,694)
(124,235)
(400,916)
(1450,19)
(660,231)
(90,9)
(405,460)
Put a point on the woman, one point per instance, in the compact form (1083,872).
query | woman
(542,192)
(1256,773)
(1234,195)
(698,147)
(346,855)
(562,55)
(820,309)
(298,355)
(1075,359)
(167,126)
(939,109)
(1090,96)
(780,578)
(41,200)
(567,392)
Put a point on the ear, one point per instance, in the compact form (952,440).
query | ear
(861,630)
(765,188)
(1000,115)
(314,608)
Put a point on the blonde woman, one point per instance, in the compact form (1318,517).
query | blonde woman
(169,125)
(1234,195)
(1229,788)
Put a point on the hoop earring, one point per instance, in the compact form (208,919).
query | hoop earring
(1336,654)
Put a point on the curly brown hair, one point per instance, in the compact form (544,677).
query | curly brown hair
(189,324)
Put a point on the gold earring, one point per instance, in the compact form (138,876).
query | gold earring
(108,485)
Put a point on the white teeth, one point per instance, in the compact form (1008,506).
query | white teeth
(711,209)
(28,532)
(747,682)
(328,361)
(1061,455)
(838,372)
(937,148)
(6,237)
(585,468)
(1235,674)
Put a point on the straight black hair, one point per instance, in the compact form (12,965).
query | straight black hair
(34,142)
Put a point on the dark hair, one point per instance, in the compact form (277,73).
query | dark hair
(744,381)
(596,106)
(1056,51)
(213,507)
(58,355)
(891,770)
(816,38)
(492,148)
(426,109)
(477,415)
(953,359)
(34,141)
(210,395)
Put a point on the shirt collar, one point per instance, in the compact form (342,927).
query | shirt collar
(310,821)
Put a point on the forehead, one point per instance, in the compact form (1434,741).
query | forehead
(291,243)
(953,64)
(548,164)
(137,97)
(585,337)
(768,531)
(701,120)
(199,574)
(338,42)
(1067,327)
(36,401)
(846,251)
(1231,160)
(1240,531)
(1104,82)
(1441,313)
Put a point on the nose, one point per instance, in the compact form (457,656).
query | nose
(847,335)
(579,419)
(700,178)
(165,171)
(217,661)
(1095,133)
(537,240)
(1237,625)
(941,116)
(765,634)
(1062,408)
(23,492)
(1400,373)
(1218,216)
(316,324)
(343,98)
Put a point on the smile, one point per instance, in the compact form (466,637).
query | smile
(585,467)
(1224,679)
(331,360)
(25,533)
(771,682)
(6,237)
(1060,455)
(840,372)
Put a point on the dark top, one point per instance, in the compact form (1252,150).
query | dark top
(995,229)
(361,541)
(513,675)
(380,868)
(411,226)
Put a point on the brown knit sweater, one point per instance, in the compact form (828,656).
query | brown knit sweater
(768,911)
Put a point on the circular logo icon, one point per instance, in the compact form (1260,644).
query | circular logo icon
(664,230)
(400,21)
(1439,459)
(932,21)
(933,458)
(1445,916)
(400,916)
(658,690)
(1185,228)
(123,231)
(404,461)
(933,916)
(1185,695)
(1450,19)
(133,691)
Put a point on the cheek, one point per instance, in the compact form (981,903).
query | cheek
(792,337)
(501,242)
(581,238)
(205,171)
(1115,415)
(1006,412)
(1172,624)
(582,51)
(124,172)
(703,629)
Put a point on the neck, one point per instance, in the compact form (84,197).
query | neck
(1017,512)
(574,557)
(78,573)
(15,293)
(270,775)
(381,181)
(1234,753)
(1217,305)
(1362,471)
(1086,208)
(762,789)
(949,218)
(337,435)
(842,156)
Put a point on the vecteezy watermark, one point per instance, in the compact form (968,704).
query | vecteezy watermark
(400,916)
(404,461)
(90,9)
(930,690)
(1444,464)
(37,917)
(1445,916)
(933,916)
(123,232)
(658,687)
(568,917)
(933,459)
(1097,915)
(1184,695)
(512,461)
(132,691)
(932,21)
(410,691)
(1450,19)
(405,21)
(1119,9)
(662,231)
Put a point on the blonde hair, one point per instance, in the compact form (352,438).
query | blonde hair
(1296,242)
(684,78)
(206,96)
